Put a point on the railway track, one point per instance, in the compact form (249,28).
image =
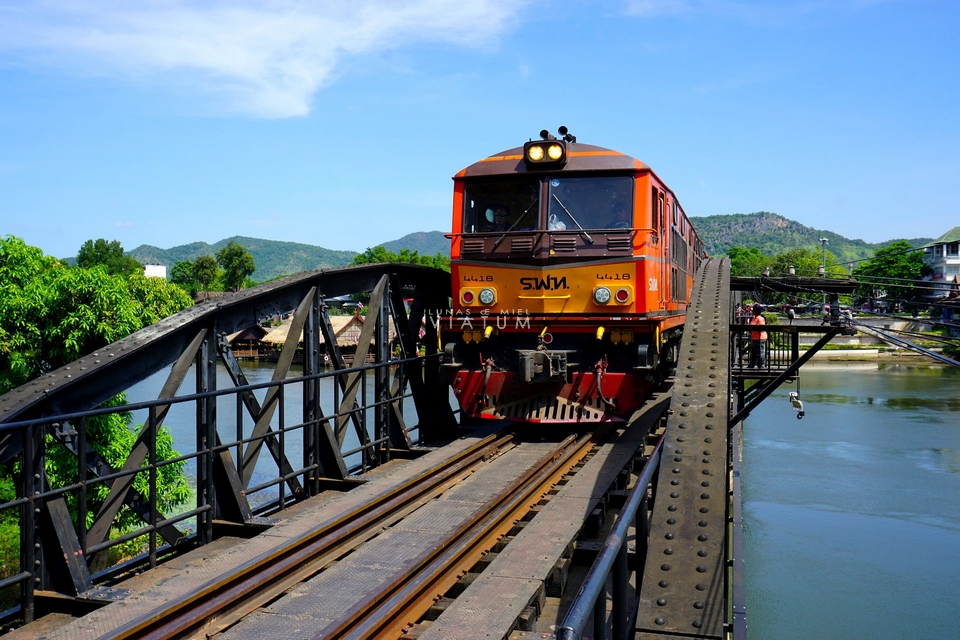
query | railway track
(386,609)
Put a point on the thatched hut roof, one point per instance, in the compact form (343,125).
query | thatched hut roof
(251,333)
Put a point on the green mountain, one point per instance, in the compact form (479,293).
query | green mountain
(275,258)
(426,243)
(272,257)
(773,234)
(769,232)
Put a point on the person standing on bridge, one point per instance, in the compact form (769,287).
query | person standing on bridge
(758,340)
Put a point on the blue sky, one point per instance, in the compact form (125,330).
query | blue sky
(339,123)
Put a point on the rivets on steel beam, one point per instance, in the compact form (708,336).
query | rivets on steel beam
(702,537)
(674,495)
(672,507)
(669,535)
(671,521)
(676,469)
(661,601)
(698,604)
(668,551)
(703,523)
(701,568)
(664,584)
(657,620)
(704,496)
(697,623)
(704,510)
(665,567)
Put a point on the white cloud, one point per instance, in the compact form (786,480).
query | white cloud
(268,57)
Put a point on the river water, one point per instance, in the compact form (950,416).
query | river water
(181,420)
(852,515)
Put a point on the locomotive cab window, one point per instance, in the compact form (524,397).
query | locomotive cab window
(590,203)
(501,205)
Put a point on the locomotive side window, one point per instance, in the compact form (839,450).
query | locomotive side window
(500,205)
(590,203)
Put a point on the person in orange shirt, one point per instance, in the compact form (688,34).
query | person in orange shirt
(758,340)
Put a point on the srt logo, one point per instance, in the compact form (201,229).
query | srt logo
(549,283)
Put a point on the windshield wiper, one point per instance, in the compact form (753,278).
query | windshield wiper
(567,211)
(516,222)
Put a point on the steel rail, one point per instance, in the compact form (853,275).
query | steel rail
(398,605)
(264,577)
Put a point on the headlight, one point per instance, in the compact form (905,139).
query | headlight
(601,295)
(487,296)
(545,153)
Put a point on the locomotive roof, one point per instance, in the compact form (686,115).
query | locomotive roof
(580,157)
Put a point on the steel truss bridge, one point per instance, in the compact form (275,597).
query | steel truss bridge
(350,503)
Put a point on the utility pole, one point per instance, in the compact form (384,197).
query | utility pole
(823,266)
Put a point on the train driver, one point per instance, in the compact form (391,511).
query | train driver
(498,217)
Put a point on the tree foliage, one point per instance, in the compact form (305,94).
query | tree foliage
(746,262)
(181,274)
(52,314)
(110,255)
(205,272)
(237,264)
(406,256)
(880,274)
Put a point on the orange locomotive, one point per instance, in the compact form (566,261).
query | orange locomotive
(571,268)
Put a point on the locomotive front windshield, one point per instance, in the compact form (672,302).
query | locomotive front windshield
(501,205)
(573,203)
(590,203)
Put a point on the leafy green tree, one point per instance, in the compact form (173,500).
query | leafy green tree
(883,274)
(181,274)
(406,256)
(375,255)
(746,262)
(51,314)
(205,272)
(157,298)
(806,262)
(237,264)
(110,255)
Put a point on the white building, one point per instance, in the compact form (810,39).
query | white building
(943,256)
(155,271)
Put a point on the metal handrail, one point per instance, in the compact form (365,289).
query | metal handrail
(146,404)
(612,557)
